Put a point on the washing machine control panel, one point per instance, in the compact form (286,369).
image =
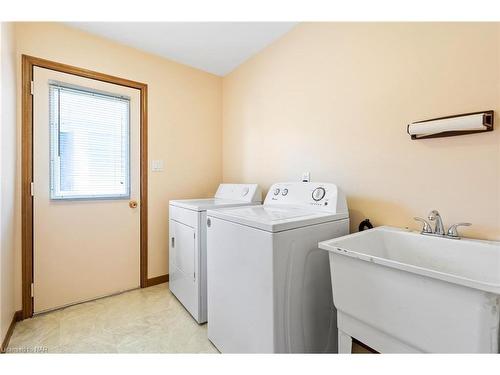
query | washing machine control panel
(323,196)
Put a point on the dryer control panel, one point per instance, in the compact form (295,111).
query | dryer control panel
(317,195)
(239,192)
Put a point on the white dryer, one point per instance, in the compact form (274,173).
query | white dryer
(269,285)
(187,230)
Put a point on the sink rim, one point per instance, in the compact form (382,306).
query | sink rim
(331,246)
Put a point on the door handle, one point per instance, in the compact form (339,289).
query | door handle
(132,204)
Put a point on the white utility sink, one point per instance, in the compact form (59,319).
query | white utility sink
(399,291)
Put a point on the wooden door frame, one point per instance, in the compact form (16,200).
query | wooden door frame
(28,64)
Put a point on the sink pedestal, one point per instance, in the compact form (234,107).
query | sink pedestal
(345,342)
(349,328)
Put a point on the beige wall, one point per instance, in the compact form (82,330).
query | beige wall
(7,176)
(334,99)
(184,118)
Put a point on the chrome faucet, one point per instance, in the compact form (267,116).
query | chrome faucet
(439,226)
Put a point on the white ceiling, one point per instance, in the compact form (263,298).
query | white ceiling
(215,47)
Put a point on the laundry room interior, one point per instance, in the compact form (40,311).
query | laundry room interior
(250,187)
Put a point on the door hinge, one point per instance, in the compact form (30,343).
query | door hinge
(32,290)
(32,189)
(32,88)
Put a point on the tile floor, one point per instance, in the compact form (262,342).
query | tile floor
(149,320)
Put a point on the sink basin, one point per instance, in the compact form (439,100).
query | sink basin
(400,291)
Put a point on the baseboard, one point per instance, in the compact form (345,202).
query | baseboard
(16,318)
(157,280)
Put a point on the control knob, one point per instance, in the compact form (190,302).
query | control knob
(318,194)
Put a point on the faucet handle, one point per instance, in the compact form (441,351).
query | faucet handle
(453,232)
(427,227)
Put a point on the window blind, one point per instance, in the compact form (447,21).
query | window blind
(89,144)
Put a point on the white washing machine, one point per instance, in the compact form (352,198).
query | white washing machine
(187,256)
(269,286)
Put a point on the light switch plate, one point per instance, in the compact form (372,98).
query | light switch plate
(157,165)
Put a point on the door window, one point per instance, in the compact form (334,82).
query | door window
(89,144)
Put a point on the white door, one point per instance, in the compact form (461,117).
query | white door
(86,172)
(184,249)
(183,259)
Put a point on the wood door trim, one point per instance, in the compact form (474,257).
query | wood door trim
(28,64)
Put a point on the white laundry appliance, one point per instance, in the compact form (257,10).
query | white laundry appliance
(188,256)
(269,286)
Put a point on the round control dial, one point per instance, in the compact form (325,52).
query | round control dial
(318,194)
(284,192)
(276,191)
